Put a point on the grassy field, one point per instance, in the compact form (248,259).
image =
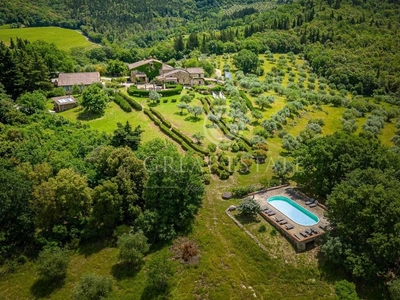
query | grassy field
(64,39)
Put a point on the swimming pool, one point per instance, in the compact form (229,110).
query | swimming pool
(294,211)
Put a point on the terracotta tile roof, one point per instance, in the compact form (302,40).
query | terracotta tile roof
(67,79)
(142,62)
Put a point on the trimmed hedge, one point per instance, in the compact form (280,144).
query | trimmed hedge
(160,116)
(189,141)
(186,143)
(248,101)
(132,102)
(151,116)
(134,91)
(221,124)
(122,103)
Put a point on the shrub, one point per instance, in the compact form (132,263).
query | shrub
(239,192)
(92,287)
(212,147)
(262,228)
(394,289)
(56,92)
(206,178)
(132,248)
(223,175)
(235,147)
(122,103)
(214,168)
(249,207)
(161,117)
(248,101)
(132,103)
(345,290)
(134,91)
(158,274)
(53,263)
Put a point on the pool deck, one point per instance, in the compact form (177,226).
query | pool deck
(300,235)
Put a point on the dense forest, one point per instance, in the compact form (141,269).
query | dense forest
(352,43)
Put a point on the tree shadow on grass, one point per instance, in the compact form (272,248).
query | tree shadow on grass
(193,119)
(125,270)
(245,219)
(42,288)
(87,116)
(152,293)
(153,104)
(178,113)
(91,246)
(285,153)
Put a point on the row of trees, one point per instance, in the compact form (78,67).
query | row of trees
(26,67)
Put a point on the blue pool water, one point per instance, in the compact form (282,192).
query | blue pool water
(294,211)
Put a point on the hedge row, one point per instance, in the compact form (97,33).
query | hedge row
(134,91)
(160,116)
(132,102)
(186,143)
(122,103)
(248,101)
(237,136)
(189,141)
(221,124)
(152,117)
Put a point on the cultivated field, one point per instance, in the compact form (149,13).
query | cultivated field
(64,39)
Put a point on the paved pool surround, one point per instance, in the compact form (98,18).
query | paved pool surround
(293,235)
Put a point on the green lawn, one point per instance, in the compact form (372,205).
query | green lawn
(186,122)
(64,39)
(113,115)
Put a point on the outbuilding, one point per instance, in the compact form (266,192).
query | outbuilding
(64,103)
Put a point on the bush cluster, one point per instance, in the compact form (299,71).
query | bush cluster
(222,125)
(185,142)
(132,103)
(122,103)
(239,192)
(134,91)
(160,116)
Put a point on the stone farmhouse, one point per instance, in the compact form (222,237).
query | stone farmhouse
(68,80)
(188,76)
(152,69)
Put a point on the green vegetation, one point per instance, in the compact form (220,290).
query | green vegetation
(92,287)
(132,248)
(52,264)
(313,101)
(63,39)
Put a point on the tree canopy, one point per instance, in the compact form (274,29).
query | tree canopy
(173,192)
(94,100)
(246,61)
(365,210)
(326,161)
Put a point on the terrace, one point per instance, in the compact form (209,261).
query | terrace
(301,236)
